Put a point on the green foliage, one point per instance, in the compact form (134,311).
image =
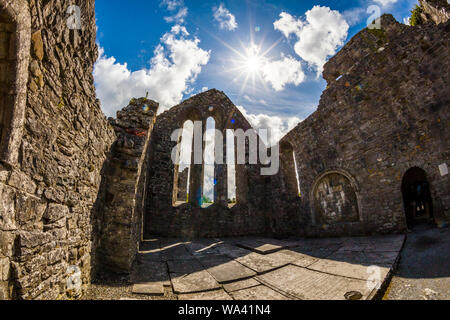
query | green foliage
(205,199)
(416,19)
(380,34)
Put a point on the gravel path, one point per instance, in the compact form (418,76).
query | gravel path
(424,269)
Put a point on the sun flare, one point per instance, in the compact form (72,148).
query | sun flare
(253,61)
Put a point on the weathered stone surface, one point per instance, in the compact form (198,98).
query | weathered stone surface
(260,292)
(57,143)
(225,269)
(369,129)
(204,247)
(299,258)
(258,247)
(150,278)
(174,250)
(198,281)
(353,265)
(264,263)
(306,284)
(210,295)
(239,285)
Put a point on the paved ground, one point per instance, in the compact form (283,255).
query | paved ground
(262,268)
(424,269)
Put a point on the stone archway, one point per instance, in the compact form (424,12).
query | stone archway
(335,199)
(417,199)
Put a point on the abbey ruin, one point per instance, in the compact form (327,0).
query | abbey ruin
(78,189)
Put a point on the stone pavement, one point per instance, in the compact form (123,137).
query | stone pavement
(266,269)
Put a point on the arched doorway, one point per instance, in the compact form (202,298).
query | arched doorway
(416,197)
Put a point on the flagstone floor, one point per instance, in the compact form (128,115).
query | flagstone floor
(265,269)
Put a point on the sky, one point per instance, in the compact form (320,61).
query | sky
(267,56)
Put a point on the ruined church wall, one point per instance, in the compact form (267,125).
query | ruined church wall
(124,187)
(385,110)
(163,217)
(49,189)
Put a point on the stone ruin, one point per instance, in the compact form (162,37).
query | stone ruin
(78,192)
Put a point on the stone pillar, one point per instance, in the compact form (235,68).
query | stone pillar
(221,172)
(197,172)
(125,187)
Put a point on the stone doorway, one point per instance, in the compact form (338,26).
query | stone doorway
(417,199)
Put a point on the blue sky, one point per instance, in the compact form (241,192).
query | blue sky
(173,49)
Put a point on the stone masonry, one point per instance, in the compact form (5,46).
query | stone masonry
(56,144)
(384,111)
(79,192)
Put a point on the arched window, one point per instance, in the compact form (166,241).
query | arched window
(335,199)
(289,170)
(231,167)
(7,76)
(209,180)
(183,165)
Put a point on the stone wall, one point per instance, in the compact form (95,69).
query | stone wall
(385,110)
(167,217)
(435,11)
(124,187)
(57,141)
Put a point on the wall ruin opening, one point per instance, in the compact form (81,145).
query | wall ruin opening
(289,170)
(183,165)
(231,167)
(417,199)
(335,199)
(209,178)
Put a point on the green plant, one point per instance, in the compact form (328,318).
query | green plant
(416,18)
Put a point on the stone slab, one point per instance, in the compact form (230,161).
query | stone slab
(239,285)
(150,278)
(225,270)
(185,266)
(299,258)
(204,247)
(189,276)
(307,284)
(264,263)
(260,292)
(358,270)
(196,282)
(210,295)
(174,250)
(232,250)
(259,246)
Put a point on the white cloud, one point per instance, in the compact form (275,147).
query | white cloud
(281,72)
(288,25)
(354,16)
(179,17)
(318,37)
(386,3)
(225,18)
(278,126)
(173,5)
(176,63)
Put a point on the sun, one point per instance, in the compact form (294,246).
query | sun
(252,61)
